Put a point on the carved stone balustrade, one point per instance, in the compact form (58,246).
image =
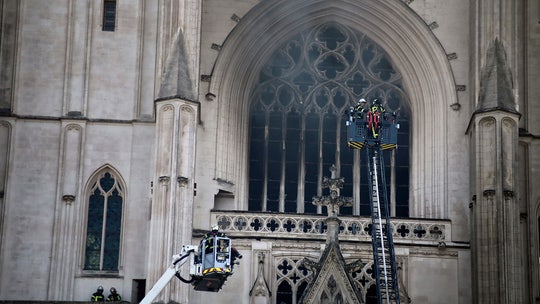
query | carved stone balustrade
(313,227)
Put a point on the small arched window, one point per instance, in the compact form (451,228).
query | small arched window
(104,223)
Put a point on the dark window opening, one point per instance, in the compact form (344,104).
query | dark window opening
(371,295)
(109,15)
(138,290)
(298,113)
(284,293)
(300,292)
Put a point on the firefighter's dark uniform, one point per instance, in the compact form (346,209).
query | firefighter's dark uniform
(98,296)
(114,297)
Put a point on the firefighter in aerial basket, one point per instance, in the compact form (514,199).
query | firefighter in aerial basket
(209,247)
(376,111)
(359,110)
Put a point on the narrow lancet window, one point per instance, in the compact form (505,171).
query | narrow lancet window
(103,229)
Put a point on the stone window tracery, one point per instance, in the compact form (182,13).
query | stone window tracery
(291,280)
(104,223)
(297,121)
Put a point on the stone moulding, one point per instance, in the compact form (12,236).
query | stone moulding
(68,198)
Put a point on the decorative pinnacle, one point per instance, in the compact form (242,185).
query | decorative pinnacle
(334,200)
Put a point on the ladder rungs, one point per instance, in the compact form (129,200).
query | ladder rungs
(381,229)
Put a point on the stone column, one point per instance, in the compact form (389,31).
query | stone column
(172,202)
(497,270)
(495,243)
(177,117)
(76,58)
(67,225)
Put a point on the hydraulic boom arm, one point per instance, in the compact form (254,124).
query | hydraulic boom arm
(210,264)
(170,273)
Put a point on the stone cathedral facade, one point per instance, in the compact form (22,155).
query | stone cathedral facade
(128,128)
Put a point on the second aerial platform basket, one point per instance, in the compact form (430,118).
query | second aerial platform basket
(371,126)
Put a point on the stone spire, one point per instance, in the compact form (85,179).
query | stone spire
(331,281)
(496,82)
(175,80)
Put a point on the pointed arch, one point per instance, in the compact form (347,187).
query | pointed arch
(105,194)
(297,120)
(417,54)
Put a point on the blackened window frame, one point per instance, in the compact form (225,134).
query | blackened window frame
(287,112)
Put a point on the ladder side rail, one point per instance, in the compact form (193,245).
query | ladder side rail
(382,187)
(389,231)
(376,167)
(374,238)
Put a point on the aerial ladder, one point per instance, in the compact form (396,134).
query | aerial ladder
(208,270)
(369,126)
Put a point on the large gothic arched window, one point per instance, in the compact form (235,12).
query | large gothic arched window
(297,121)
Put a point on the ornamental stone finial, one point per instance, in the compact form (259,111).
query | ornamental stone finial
(334,200)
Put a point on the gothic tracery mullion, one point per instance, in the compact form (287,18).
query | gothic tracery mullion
(264,197)
(106,195)
(302,168)
(283,162)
